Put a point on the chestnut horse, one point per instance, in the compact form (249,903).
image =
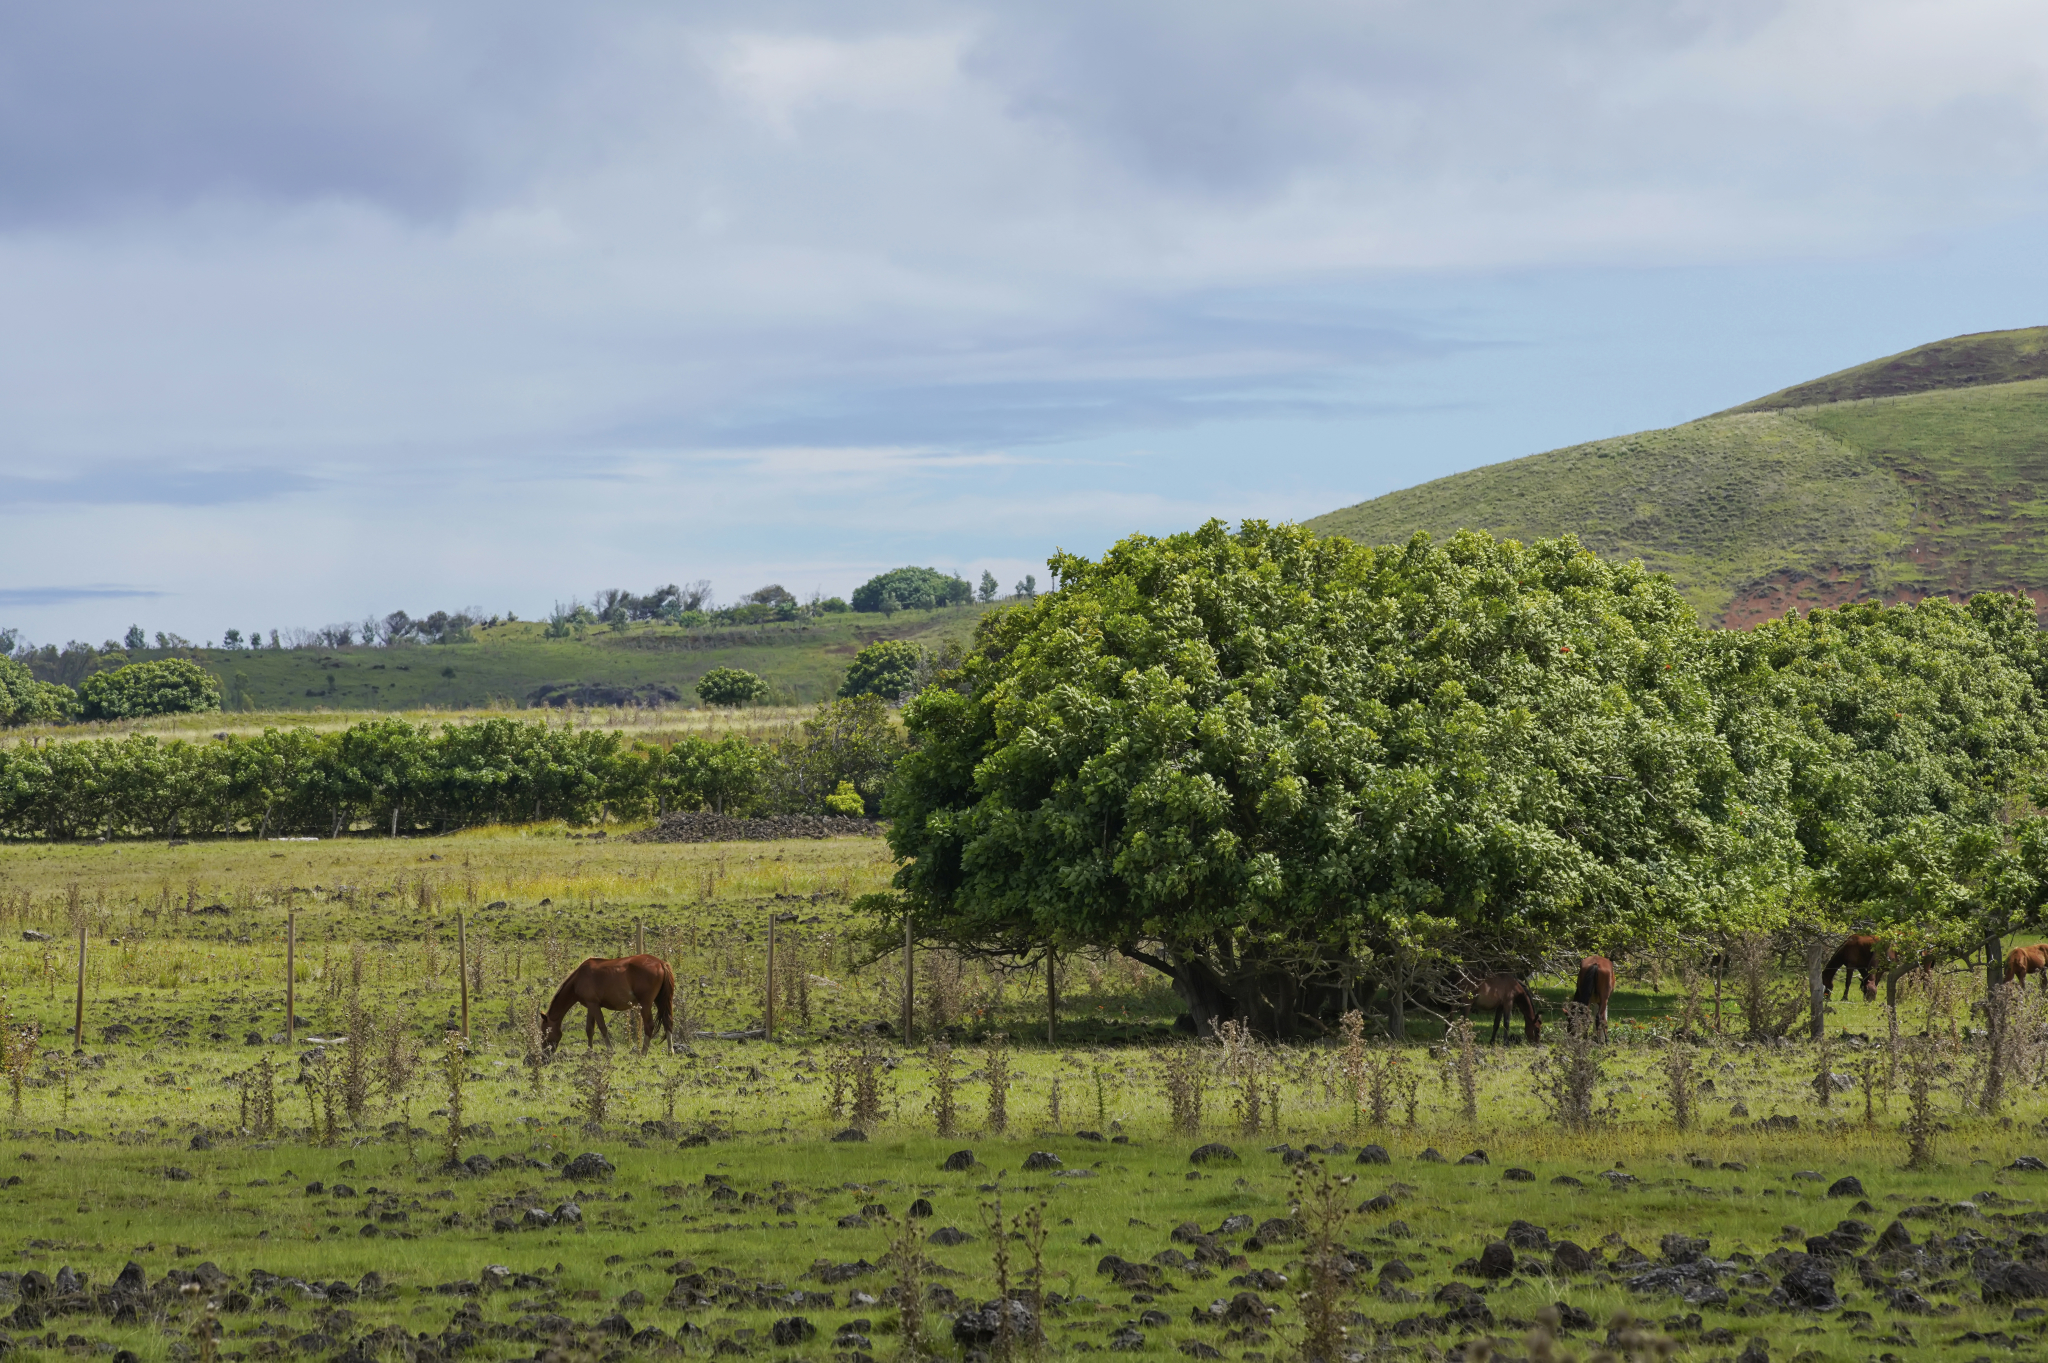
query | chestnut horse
(1497,994)
(2021,962)
(1859,954)
(1596,987)
(642,982)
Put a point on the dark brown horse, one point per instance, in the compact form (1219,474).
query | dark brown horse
(2021,962)
(1596,987)
(642,982)
(1498,993)
(1859,954)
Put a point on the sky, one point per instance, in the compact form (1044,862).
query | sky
(311,312)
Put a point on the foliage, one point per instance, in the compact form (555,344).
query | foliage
(1258,761)
(846,802)
(886,669)
(167,686)
(24,700)
(731,686)
(912,589)
(697,771)
(850,742)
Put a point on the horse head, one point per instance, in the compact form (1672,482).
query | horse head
(1532,1020)
(550,1032)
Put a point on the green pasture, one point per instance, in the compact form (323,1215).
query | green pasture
(145,1146)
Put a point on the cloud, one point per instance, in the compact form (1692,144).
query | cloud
(296,289)
(57,596)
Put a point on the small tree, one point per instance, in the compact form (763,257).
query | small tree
(169,686)
(988,587)
(731,686)
(886,669)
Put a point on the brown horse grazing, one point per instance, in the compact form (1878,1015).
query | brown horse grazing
(2021,962)
(1596,987)
(1859,954)
(642,982)
(1497,994)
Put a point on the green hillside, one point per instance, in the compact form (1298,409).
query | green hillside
(1919,474)
(515,664)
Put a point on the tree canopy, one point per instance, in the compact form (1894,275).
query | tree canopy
(912,589)
(886,669)
(1262,762)
(731,686)
(168,686)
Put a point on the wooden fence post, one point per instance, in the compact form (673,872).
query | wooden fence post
(291,936)
(78,1016)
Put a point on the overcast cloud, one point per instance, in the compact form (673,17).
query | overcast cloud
(308,311)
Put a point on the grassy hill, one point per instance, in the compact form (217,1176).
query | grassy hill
(1924,473)
(515,665)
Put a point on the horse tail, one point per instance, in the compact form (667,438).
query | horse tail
(1587,988)
(664,1000)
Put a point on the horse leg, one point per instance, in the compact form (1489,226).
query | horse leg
(646,1025)
(590,1022)
(598,1013)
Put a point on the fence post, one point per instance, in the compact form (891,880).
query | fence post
(291,936)
(78,1016)
(909,982)
(770,1029)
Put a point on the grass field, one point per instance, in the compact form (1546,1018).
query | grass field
(1915,475)
(732,1209)
(515,665)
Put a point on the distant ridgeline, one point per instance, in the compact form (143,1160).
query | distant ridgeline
(1923,474)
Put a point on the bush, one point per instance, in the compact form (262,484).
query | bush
(24,700)
(914,589)
(846,802)
(833,605)
(169,686)
(887,669)
(731,686)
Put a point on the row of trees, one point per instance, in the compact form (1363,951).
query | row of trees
(1284,770)
(389,776)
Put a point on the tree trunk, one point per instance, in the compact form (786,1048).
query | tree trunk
(1993,962)
(1397,1013)
(1816,991)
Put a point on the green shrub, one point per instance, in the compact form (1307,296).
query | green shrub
(24,700)
(846,802)
(731,686)
(169,686)
(886,669)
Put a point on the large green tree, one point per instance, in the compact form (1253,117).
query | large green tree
(24,700)
(1264,763)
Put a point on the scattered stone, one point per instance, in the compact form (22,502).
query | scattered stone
(1683,1249)
(1374,1154)
(957,1162)
(1431,1156)
(1568,1259)
(1810,1176)
(791,1331)
(2029,1164)
(1475,1157)
(1127,1340)
(1566,1181)
(1212,1153)
(853,1221)
(2013,1282)
(853,1135)
(1811,1284)
(1517,1176)
(1497,1260)
(920,1210)
(948,1236)
(1756,1351)
(1527,1235)
(1040,1159)
(1846,1186)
